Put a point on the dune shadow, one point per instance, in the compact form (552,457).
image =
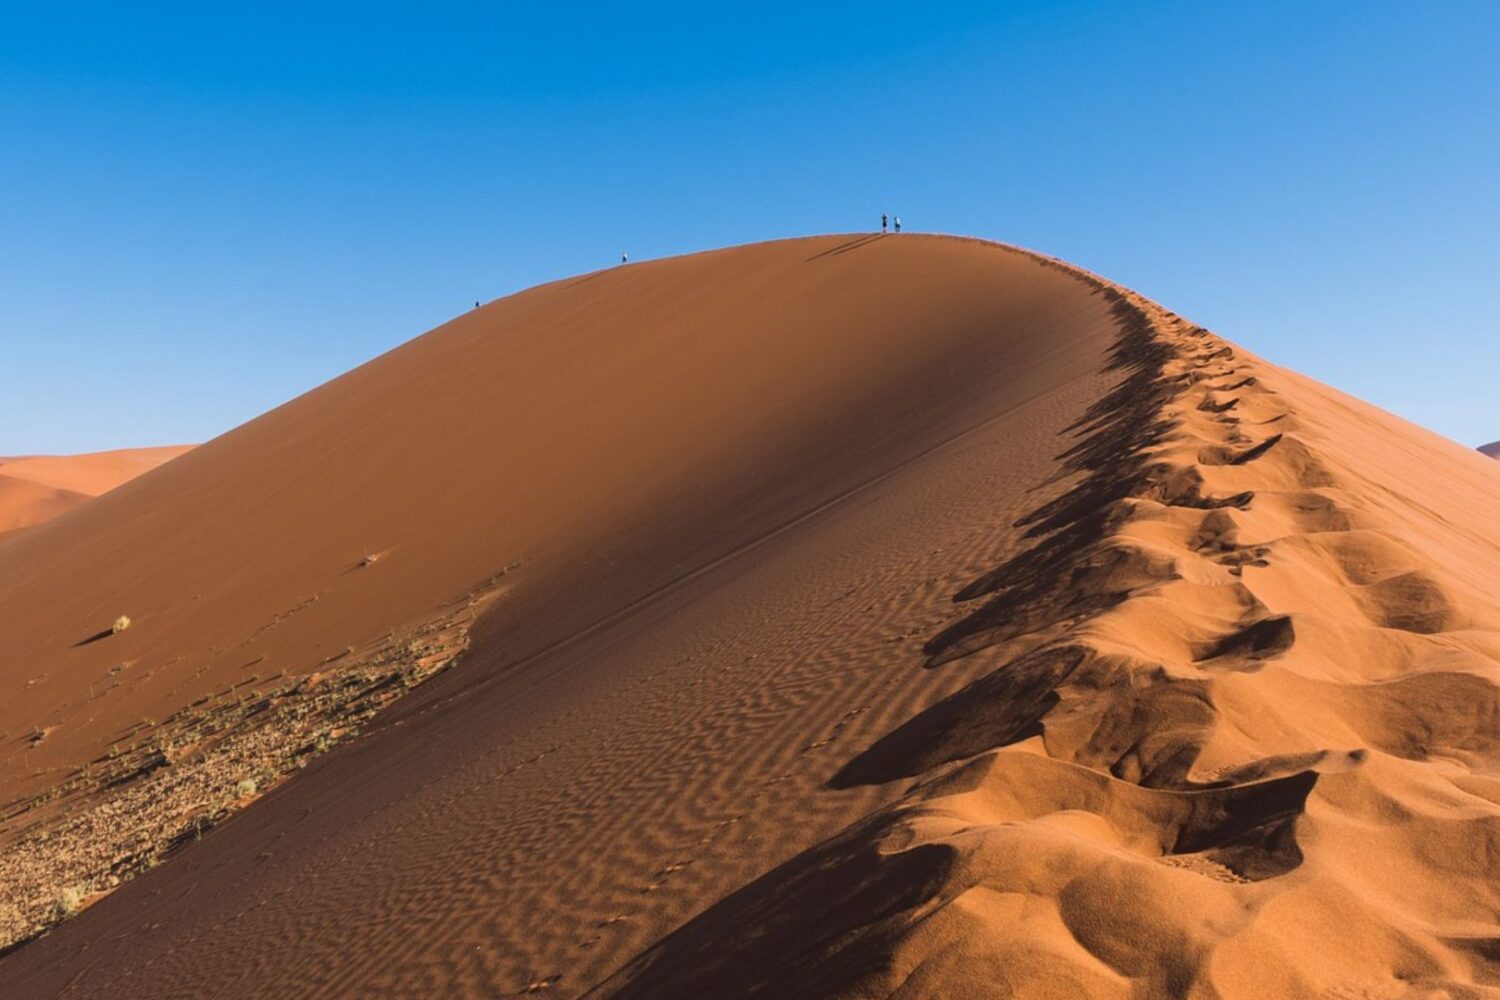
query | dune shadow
(94,638)
(807,928)
(853,244)
(1000,708)
(590,277)
(1259,640)
(1041,584)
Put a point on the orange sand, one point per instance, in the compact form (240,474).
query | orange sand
(895,616)
(37,488)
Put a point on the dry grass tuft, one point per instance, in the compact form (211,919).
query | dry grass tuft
(68,902)
(166,783)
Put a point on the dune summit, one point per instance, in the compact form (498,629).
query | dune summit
(850,616)
(37,488)
(1492,449)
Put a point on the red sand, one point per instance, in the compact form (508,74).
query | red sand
(901,616)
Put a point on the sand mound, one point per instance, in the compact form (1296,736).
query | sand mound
(24,504)
(842,617)
(35,489)
(1492,449)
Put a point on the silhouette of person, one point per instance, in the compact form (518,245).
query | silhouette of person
(897,221)
(883,222)
(476,304)
(624,258)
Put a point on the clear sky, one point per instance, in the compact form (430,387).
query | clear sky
(206,209)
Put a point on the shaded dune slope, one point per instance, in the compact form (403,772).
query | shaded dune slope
(625,417)
(894,617)
(594,465)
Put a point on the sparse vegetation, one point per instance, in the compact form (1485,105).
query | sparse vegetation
(168,781)
(68,902)
(121,624)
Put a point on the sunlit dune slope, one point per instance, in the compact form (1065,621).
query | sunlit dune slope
(91,474)
(24,503)
(37,488)
(854,616)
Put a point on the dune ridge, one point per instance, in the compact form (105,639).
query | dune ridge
(1004,634)
(543,433)
(1239,740)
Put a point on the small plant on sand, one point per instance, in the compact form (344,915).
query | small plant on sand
(121,624)
(245,787)
(68,902)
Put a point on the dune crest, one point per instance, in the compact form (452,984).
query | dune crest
(898,617)
(1232,712)
(562,460)
(1492,449)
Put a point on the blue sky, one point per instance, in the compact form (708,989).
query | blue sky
(208,209)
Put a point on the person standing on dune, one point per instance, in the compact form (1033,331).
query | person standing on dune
(624,258)
(883,222)
(897,221)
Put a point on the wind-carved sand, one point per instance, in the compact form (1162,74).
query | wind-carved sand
(987,631)
(1239,739)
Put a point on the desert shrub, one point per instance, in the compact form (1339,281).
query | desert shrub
(121,624)
(68,901)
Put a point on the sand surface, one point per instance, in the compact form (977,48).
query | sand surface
(36,488)
(853,616)
(1492,449)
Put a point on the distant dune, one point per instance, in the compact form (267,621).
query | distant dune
(37,488)
(1492,450)
(852,616)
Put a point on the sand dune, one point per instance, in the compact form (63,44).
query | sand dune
(24,504)
(853,616)
(1492,449)
(36,488)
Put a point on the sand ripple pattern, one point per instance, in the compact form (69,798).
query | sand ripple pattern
(1235,735)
